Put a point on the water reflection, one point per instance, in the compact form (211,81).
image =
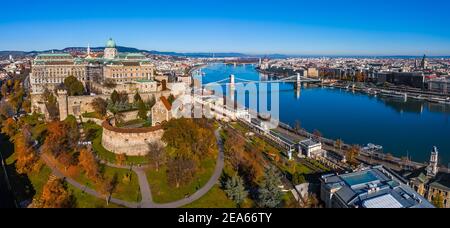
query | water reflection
(412,127)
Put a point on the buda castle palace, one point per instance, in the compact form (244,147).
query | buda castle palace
(50,70)
(100,73)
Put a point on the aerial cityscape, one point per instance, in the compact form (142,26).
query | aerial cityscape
(165,108)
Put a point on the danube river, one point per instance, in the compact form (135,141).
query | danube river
(402,128)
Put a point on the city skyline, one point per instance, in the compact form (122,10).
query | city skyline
(252,27)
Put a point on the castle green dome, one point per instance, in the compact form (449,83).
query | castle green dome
(110,43)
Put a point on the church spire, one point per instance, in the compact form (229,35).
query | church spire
(432,168)
(89,50)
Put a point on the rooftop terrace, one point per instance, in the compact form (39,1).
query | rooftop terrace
(374,187)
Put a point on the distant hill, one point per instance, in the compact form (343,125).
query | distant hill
(135,50)
(5,54)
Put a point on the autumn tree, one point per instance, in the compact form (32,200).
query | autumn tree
(6,111)
(245,158)
(90,166)
(235,189)
(317,135)
(55,194)
(27,157)
(72,127)
(59,138)
(17,96)
(352,154)
(338,144)
(180,171)
(157,154)
(270,194)
(100,106)
(9,127)
(73,86)
(189,138)
(108,186)
(234,149)
(4,90)
(26,105)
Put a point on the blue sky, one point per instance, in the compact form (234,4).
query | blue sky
(345,27)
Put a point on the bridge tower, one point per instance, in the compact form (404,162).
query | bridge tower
(232,86)
(232,80)
(299,81)
(298,86)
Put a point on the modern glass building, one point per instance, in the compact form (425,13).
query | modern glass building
(375,187)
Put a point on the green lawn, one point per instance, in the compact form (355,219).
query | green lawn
(125,190)
(303,169)
(39,179)
(93,115)
(215,198)
(132,122)
(37,132)
(163,193)
(84,200)
(319,165)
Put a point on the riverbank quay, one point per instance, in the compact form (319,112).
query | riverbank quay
(195,68)
(356,117)
(396,92)
(366,157)
(286,137)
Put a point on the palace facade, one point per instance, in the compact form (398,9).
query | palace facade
(50,70)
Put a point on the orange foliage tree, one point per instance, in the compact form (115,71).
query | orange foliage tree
(56,195)
(62,137)
(90,166)
(9,127)
(26,156)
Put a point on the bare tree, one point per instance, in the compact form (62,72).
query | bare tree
(157,154)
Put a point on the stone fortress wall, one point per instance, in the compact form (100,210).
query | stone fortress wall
(132,142)
(77,105)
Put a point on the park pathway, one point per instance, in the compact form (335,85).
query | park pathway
(146,193)
(212,181)
(84,188)
(147,200)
